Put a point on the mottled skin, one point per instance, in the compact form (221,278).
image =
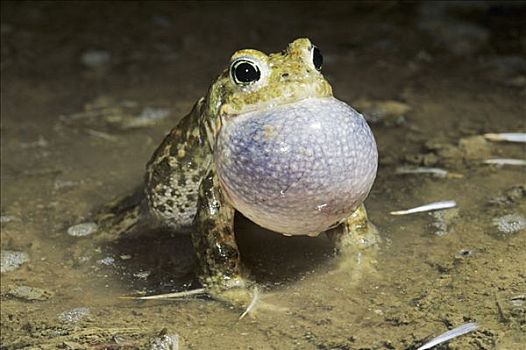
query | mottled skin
(183,189)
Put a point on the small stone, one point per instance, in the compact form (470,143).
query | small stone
(464,253)
(108,261)
(74,315)
(95,58)
(64,184)
(6,28)
(8,218)
(70,345)
(41,142)
(424,56)
(468,149)
(509,69)
(510,223)
(429,159)
(443,220)
(499,201)
(30,293)
(149,116)
(460,37)
(450,154)
(474,148)
(11,260)
(83,229)
(165,342)
(376,111)
(416,159)
(518,300)
(142,274)
(511,196)
(512,306)
(516,193)
(161,21)
(517,82)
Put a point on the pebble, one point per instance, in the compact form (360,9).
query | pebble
(6,28)
(108,261)
(142,274)
(161,21)
(70,345)
(518,81)
(443,220)
(11,260)
(30,293)
(64,184)
(516,193)
(40,143)
(382,110)
(464,253)
(74,315)
(8,218)
(510,223)
(474,147)
(149,116)
(471,148)
(512,306)
(95,58)
(505,68)
(83,229)
(165,342)
(458,36)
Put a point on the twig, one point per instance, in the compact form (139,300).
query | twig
(507,136)
(455,332)
(427,207)
(505,161)
(183,294)
(250,306)
(437,172)
(102,135)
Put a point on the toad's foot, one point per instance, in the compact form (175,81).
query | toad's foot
(357,241)
(356,262)
(234,291)
(234,298)
(244,296)
(122,216)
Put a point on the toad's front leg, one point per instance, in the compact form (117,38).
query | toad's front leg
(356,239)
(215,245)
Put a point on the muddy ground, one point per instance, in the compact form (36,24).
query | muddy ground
(88,90)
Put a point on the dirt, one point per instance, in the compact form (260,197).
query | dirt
(88,89)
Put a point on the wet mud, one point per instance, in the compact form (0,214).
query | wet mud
(88,90)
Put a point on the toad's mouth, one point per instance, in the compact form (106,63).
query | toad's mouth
(276,99)
(299,167)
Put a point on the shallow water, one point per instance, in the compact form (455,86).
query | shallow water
(68,148)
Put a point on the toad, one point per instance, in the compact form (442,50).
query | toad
(268,140)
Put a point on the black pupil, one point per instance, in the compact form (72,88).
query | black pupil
(245,72)
(317,58)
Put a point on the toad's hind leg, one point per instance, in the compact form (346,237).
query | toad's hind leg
(356,240)
(122,216)
(215,245)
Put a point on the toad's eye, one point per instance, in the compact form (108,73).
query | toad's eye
(317,58)
(244,72)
